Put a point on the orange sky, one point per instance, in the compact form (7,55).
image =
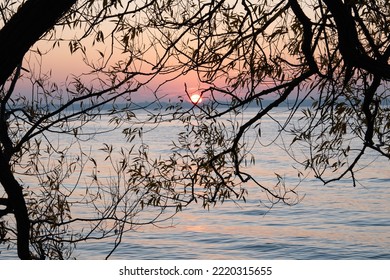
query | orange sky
(62,65)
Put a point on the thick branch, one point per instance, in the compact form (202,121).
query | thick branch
(25,28)
(17,203)
(7,210)
(349,44)
(370,116)
(307,34)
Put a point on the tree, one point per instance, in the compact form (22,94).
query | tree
(42,213)
(333,53)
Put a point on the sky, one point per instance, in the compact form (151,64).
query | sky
(62,64)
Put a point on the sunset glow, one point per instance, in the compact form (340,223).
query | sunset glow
(196,98)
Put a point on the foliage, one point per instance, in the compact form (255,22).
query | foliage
(243,54)
(249,51)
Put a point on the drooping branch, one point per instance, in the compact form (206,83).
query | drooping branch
(234,148)
(370,116)
(307,34)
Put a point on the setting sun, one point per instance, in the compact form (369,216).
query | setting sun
(196,98)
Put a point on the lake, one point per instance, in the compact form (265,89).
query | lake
(336,221)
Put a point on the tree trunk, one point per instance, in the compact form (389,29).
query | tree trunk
(19,34)
(25,28)
(18,206)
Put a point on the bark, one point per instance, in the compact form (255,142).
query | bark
(349,43)
(307,34)
(25,28)
(17,203)
(18,35)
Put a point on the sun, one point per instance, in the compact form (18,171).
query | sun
(196,98)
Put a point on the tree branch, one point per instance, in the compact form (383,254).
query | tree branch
(25,28)
(7,210)
(349,44)
(307,34)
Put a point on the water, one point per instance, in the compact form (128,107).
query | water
(337,221)
(328,224)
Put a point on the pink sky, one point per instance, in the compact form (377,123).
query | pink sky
(62,65)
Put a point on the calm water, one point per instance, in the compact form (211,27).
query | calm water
(336,221)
